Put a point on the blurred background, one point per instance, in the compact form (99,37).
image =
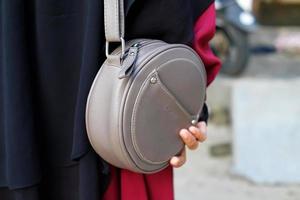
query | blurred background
(253,146)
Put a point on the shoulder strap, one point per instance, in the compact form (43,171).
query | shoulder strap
(114,22)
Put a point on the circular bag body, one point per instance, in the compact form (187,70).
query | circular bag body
(133,122)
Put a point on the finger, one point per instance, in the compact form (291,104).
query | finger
(178,161)
(189,139)
(200,133)
(203,127)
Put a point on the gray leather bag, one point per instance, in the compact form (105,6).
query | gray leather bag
(144,93)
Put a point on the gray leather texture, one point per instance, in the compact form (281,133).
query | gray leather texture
(135,110)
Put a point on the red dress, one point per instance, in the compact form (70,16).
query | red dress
(127,185)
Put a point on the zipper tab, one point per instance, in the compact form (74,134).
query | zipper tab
(129,61)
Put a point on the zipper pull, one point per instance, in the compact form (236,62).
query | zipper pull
(129,61)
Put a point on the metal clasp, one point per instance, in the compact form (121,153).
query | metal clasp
(122,41)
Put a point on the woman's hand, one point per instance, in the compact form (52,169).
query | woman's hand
(191,137)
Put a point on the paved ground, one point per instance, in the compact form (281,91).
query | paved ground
(210,178)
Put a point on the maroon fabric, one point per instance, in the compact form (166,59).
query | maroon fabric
(204,31)
(126,185)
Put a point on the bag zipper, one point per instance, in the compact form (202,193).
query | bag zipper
(130,57)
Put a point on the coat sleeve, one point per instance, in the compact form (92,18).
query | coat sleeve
(204,30)
(126,185)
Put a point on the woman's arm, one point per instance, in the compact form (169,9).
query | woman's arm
(204,31)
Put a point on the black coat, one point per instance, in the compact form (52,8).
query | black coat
(50,51)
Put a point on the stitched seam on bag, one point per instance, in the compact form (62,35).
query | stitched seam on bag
(133,127)
(164,88)
(202,70)
(171,94)
(117,18)
(139,100)
(121,19)
(105,19)
(122,144)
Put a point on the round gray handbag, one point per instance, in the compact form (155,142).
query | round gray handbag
(144,93)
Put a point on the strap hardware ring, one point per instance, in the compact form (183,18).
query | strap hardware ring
(122,41)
